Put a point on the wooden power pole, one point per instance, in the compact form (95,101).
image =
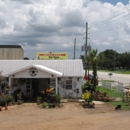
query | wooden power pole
(86,46)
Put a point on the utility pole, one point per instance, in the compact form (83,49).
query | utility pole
(74,47)
(86,45)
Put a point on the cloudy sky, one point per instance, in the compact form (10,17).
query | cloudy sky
(52,25)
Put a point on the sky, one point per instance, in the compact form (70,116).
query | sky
(52,25)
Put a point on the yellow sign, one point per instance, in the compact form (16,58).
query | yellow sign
(52,56)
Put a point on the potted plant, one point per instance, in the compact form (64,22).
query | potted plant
(39,100)
(45,105)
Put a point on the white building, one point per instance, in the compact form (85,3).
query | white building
(34,76)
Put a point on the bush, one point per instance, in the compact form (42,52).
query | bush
(39,98)
(45,104)
(57,98)
(6,99)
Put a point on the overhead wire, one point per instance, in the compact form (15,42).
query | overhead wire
(105,13)
(111,19)
(111,29)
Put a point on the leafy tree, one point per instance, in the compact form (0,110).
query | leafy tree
(100,59)
(26,58)
(92,59)
(109,60)
(124,60)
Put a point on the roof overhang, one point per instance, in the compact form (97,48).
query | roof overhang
(40,67)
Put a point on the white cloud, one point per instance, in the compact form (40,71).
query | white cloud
(48,25)
(106,43)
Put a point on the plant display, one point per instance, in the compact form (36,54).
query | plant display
(39,98)
(88,86)
(48,99)
(5,99)
(45,104)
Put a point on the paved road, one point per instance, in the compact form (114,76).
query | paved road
(123,78)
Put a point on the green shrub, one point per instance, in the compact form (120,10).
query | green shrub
(3,100)
(57,98)
(11,98)
(39,98)
(45,104)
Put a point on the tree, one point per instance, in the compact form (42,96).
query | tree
(26,58)
(110,59)
(100,59)
(92,59)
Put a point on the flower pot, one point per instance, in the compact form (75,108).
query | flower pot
(38,102)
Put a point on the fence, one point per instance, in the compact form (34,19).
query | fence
(117,87)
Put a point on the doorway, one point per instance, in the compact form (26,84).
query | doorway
(39,85)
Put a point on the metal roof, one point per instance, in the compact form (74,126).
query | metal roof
(11,46)
(72,68)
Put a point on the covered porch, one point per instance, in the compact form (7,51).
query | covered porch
(33,79)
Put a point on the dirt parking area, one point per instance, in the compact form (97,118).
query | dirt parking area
(71,116)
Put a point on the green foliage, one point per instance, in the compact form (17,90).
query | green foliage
(39,98)
(109,92)
(57,97)
(11,98)
(5,99)
(112,59)
(93,54)
(123,105)
(108,80)
(45,104)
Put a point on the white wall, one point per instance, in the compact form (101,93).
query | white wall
(25,74)
(67,92)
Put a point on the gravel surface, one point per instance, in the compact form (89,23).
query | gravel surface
(71,116)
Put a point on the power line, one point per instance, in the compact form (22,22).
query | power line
(100,23)
(111,29)
(80,36)
(79,40)
(111,20)
(104,14)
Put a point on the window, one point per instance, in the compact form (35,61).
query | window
(68,84)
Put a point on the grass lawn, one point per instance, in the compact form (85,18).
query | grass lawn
(110,93)
(109,80)
(115,71)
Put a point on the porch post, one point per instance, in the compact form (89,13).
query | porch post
(56,85)
(10,85)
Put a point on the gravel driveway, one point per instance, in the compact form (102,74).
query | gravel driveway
(71,116)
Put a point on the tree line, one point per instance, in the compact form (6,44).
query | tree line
(109,60)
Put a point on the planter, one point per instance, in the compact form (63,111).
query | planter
(19,102)
(38,102)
